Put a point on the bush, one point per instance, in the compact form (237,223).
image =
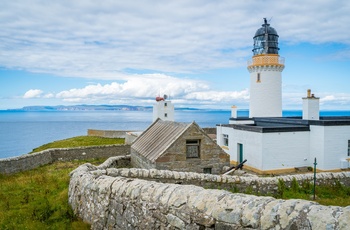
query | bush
(281,188)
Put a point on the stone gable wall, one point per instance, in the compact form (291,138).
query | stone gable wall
(110,198)
(174,158)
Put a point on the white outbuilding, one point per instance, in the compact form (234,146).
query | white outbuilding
(275,144)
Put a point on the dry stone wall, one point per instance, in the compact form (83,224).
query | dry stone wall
(242,183)
(110,198)
(31,161)
(108,133)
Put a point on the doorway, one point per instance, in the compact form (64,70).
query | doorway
(239,153)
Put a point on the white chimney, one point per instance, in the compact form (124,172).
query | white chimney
(311,107)
(233,111)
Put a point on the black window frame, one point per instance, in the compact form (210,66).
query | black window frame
(191,146)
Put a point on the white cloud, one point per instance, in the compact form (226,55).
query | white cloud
(49,95)
(143,90)
(215,96)
(120,40)
(33,93)
(85,39)
(337,100)
(147,86)
(328,98)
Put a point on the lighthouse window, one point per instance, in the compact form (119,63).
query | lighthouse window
(165,104)
(192,148)
(348,148)
(165,115)
(258,77)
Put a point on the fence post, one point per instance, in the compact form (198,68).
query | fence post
(314,190)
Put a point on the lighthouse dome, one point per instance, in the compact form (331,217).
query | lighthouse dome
(265,40)
(270,30)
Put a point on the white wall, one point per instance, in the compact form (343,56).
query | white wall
(160,108)
(252,147)
(285,150)
(220,130)
(266,95)
(271,151)
(311,108)
(317,144)
(241,122)
(268,151)
(335,146)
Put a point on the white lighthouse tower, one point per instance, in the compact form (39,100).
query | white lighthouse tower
(265,70)
(163,109)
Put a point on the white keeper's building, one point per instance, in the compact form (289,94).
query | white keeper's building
(275,144)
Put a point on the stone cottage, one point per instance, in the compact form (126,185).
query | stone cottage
(178,146)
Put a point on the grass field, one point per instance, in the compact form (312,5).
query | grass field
(335,194)
(38,199)
(80,141)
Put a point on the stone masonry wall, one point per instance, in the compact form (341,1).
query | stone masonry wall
(107,133)
(110,198)
(242,183)
(31,161)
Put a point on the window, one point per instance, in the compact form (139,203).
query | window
(258,78)
(207,170)
(192,148)
(165,104)
(348,148)
(225,138)
(165,115)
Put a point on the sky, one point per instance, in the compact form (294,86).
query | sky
(196,51)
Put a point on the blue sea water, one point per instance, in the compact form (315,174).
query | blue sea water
(21,131)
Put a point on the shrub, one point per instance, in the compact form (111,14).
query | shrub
(281,188)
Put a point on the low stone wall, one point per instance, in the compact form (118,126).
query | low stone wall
(210,130)
(110,198)
(243,183)
(31,161)
(108,133)
(25,162)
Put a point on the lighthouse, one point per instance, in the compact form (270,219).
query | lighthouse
(265,70)
(163,109)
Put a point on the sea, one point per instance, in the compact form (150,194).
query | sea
(22,131)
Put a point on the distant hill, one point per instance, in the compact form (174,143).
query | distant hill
(84,108)
(90,108)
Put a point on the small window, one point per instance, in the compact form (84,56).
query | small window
(192,148)
(207,170)
(225,138)
(165,104)
(165,115)
(348,148)
(258,78)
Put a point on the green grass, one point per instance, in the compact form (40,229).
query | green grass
(38,199)
(336,194)
(80,141)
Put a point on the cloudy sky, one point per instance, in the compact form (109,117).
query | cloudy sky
(128,52)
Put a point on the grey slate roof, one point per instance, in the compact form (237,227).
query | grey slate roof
(158,138)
